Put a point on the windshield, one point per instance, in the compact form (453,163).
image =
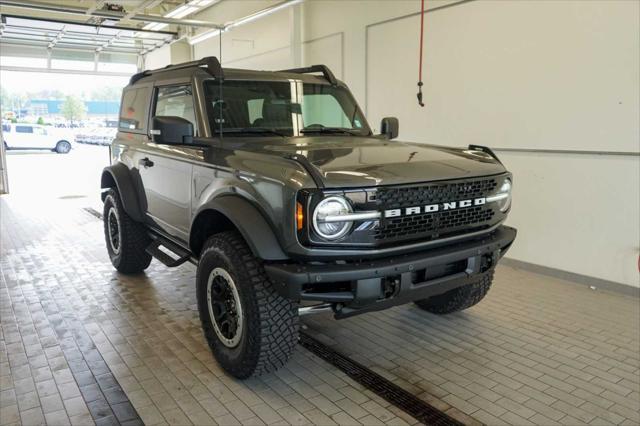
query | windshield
(285,108)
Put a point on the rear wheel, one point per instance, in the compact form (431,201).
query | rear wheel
(63,147)
(126,239)
(459,298)
(250,328)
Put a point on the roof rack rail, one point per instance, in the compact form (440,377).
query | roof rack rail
(211,62)
(316,68)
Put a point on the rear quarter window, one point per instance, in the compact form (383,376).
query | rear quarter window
(133,110)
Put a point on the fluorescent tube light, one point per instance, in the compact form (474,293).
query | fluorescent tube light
(261,14)
(203,36)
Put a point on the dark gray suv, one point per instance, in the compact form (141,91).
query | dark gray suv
(274,185)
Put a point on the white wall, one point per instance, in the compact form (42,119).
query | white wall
(561,75)
(263,44)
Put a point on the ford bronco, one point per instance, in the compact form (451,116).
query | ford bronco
(275,186)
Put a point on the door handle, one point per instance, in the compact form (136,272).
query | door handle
(146,163)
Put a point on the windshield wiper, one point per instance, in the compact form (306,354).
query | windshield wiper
(254,130)
(333,130)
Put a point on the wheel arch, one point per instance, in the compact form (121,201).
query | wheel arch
(232,212)
(119,177)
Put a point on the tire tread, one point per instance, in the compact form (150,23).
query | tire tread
(459,298)
(277,317)
(133,257)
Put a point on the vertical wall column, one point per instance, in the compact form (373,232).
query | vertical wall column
(4,180)
(180,52)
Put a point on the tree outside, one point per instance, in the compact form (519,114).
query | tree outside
(73,108)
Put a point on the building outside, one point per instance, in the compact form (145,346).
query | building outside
(51,109)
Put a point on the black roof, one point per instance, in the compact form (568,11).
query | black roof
(212,66)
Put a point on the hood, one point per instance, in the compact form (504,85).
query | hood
(357,162)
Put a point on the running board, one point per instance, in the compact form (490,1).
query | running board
(167,252)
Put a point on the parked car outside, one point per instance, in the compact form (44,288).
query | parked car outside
(35,136)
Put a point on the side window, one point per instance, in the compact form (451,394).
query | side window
(39,131)
(133,111)
(6,127)
(24,129)
(176,101)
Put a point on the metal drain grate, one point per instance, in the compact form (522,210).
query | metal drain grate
(417,408)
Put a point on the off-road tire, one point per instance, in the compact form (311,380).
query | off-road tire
(63,147)
(131,258)
(459,298)
(270,321)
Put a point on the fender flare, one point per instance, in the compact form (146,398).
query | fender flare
(251,223)
(120,175)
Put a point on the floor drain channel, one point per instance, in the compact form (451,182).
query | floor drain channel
(417,408)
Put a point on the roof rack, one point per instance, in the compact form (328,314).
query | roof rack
(211,62)
(316,68)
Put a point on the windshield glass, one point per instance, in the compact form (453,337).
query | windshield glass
(286,108)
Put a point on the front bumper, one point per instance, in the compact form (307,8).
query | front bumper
(364,286)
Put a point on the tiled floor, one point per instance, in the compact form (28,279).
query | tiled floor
(79,342)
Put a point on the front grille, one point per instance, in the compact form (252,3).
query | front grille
(438,224)
(391,198)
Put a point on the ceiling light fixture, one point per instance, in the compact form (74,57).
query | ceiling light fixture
(260,14)
(203,36)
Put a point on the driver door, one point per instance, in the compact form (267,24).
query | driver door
(164,169)
(21,137)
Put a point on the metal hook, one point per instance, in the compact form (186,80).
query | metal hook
(419,95)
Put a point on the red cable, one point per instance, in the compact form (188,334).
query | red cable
(421,39)
(419,95)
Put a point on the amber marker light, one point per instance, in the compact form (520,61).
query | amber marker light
(299,216)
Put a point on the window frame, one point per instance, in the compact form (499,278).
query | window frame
(154,103)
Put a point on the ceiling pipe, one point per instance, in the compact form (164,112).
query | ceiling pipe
(197,38)
(50,7)
(84,24)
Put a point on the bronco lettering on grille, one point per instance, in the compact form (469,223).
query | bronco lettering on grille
(431,208)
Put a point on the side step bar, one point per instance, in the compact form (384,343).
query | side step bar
(167,252)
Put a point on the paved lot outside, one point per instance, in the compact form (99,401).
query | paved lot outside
(45,174)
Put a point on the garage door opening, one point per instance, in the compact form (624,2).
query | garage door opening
(61,85)
(57,129)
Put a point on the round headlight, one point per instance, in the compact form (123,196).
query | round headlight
(505,203)
(327,208)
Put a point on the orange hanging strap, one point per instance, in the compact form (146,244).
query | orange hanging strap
(420,84)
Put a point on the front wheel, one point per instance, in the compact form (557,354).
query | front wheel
(126,239)
(459,298)
(63,147)
(249,327)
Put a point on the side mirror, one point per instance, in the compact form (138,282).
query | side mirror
(169,130)
(390,127)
